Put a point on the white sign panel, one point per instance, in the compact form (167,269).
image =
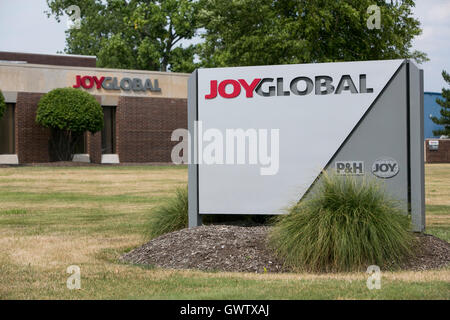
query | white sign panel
(311,107)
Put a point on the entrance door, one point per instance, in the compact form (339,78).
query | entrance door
(109,130)
(7,145)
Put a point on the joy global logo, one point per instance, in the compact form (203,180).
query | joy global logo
(385,168)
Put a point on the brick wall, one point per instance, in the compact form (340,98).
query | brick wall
(56,60)
(144,127)
(94,146)
(441,155)
(31,138)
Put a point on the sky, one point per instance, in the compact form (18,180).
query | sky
(24,27)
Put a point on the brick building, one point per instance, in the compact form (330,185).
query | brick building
(437,150)
(141,108)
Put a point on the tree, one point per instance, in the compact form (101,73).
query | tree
(444,120)
(69,113)
(134,34)
(263,32)
(146,34)
(2,104)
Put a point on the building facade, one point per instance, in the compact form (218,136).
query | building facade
(141,109)
(437,150)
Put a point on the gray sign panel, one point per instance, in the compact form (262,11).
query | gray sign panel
(358,118)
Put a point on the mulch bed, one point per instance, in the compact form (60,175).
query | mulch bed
(431,253)
(244,249)
(213,248)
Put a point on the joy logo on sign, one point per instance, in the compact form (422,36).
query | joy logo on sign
(299,86)
(385,168)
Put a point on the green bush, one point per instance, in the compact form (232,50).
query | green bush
(346,225)
(2,104)
(171,216)
(69,113)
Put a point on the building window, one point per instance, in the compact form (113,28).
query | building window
(7,144)
(109,130)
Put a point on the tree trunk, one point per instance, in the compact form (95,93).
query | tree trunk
(63,143)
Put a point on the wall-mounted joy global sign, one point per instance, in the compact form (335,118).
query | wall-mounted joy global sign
(113,83)
(356,118)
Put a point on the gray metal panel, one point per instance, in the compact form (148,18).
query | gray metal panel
(194,217)
(311,128)
(383,133)
(416,148)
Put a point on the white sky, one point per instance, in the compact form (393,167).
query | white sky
(24,27)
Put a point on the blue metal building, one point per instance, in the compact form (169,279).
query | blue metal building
(431,109)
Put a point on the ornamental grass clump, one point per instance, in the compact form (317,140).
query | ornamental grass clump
(345,225)
(172,215)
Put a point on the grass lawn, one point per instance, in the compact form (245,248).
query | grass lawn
(51,218)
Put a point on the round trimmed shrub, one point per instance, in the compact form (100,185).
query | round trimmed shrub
(2,104)
(69,113)
(346,225)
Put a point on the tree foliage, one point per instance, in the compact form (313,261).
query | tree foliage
(134,34)
(2,104)
(70,109)
(69,113)
(444,120)
(258,32)
(146,34)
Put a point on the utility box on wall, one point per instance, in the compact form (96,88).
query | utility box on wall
(433,145)
(355,118)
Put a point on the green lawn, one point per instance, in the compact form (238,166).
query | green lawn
(438,221)
(51,218)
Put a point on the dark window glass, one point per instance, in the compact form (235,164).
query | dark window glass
(7,145)
(109,130)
